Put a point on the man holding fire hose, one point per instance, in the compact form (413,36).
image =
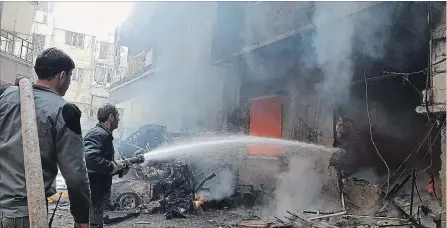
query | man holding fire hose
(99,156)
(60,141)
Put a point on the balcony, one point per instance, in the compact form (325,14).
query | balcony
(15,57)
(16,46)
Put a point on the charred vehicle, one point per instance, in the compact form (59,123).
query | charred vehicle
(147,137)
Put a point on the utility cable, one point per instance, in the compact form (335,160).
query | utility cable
(389,74)
(416,150)
(433,184)
(417,190)
(372,139)
(430,148)
(415,72)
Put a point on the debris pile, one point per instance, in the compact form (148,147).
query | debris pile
(365,205)
(174,190)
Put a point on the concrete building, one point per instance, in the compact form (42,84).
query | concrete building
(171,80)
(94,57)
(435,96)
(309,60)
(16,46)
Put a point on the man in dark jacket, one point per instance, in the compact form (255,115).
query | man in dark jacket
(60,141)
(99,156)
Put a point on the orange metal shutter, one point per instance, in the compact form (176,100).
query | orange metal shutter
(265,121)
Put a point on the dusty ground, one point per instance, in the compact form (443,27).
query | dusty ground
(210,219)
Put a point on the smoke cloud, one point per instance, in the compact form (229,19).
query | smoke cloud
(185,92)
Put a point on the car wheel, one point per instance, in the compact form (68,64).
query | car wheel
(128,201)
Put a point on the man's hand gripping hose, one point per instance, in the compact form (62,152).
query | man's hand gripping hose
(123,166)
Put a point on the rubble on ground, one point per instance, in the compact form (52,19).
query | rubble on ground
(173,190)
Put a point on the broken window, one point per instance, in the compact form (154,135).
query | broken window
(103,75)
(122,73)
(74,39)
(105,50)
(77,74)
(38,42)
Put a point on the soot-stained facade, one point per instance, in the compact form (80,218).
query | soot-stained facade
(316,61)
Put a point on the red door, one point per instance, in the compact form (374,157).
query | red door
(265,121)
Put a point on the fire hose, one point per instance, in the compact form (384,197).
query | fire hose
(35,190)
(128,162)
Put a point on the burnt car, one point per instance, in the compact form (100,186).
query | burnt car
(147,137)
(127,194)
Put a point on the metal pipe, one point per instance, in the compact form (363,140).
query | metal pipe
(31,157)
(413,183)
(330,215)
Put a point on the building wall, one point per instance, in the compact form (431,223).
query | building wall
(18,16)
(438,54)
(83,92)
(45,28)
(439,94)
(11,66)
(307,118)
(15,17)
(83,56)
(130,122)
(80,90)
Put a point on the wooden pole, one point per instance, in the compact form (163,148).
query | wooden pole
(31,151)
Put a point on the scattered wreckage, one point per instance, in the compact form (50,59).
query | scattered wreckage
(170,187)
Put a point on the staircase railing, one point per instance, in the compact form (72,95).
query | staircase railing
(16,46)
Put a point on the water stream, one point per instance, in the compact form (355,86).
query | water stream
(226,144)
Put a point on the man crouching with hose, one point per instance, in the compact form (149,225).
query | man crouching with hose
(99,157)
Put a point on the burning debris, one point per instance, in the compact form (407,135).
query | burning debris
(180,192)
(177,193)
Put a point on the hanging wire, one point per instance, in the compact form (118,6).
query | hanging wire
(430,148)
(371,135)
(415,150)
(389,74)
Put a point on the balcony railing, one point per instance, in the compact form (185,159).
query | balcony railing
(16,46)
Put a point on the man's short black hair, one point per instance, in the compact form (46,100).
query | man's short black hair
(51,62)
(105,111)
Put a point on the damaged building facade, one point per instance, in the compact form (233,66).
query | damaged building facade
(352,75)
(335,74)
(16,45)
(434,102)
(94,56)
